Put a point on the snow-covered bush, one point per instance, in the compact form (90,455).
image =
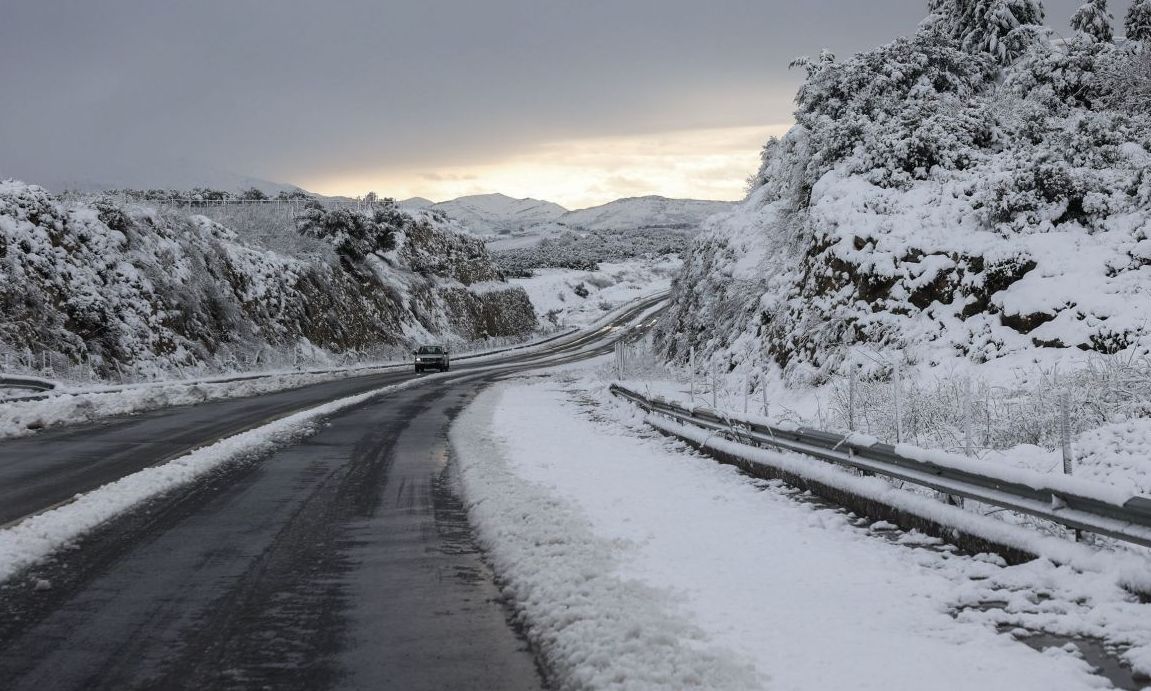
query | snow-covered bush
(896,112)
(353,232)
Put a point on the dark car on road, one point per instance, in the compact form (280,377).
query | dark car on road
(432,357)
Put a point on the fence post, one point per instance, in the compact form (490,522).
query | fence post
(714,385)
(746,391)
(851,402)
(896,382)
(763,389)
(691,366)
(1065,432)
(1065,441)
(967,450)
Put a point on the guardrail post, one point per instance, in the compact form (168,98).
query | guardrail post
(746,392)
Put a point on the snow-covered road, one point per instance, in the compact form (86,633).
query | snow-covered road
(638,564)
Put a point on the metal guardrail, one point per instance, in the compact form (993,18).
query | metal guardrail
(1055,498)
(30,383)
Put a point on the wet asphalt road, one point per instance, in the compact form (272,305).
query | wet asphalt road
(343,561)
(43,470)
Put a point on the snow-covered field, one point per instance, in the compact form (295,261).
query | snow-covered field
(578,298)
(636,563)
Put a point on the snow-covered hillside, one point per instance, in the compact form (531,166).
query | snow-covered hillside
(644,212)
(942,199)
(133,287)
(486,214)
(414,203)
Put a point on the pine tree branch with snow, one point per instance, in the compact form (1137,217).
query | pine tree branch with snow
(1093,19)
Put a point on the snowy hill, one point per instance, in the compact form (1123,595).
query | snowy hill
(644,212)
(414,203)
(486,214)
(935,205)
(149,290)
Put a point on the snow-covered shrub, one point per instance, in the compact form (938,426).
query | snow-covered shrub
(353,232)
(895,112)
(1124,81)
(1059,77)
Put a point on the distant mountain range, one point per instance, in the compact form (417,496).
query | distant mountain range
(640,212)
(486,215)
(499,214)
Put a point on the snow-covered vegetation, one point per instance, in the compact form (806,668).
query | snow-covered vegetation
(957,229)
(585,251)
(932,204)
(150,288)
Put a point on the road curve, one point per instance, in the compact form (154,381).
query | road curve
(342,561)
(51,467)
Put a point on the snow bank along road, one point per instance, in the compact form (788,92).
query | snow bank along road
(340,560)
(638,563)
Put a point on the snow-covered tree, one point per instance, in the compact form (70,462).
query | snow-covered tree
(1004,29)
(1093,19)
(987,26)
(1138,22)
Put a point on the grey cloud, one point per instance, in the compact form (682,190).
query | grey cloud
(294,89)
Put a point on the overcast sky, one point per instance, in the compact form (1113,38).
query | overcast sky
(579,101)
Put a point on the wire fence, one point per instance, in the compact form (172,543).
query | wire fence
(1045,408)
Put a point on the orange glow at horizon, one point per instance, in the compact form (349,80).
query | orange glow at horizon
(578,173)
